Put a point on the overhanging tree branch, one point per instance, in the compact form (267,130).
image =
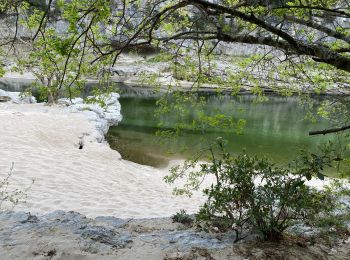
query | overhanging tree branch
(45,16)
(317,52)
(329,131)
(319,27)
(334,11)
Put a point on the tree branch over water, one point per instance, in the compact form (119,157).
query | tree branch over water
(329,131)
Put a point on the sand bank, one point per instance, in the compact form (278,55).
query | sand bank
(42,142)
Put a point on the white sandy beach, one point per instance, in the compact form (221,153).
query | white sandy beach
(42,142)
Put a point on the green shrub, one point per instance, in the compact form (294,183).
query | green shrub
(182,217)
(252,194)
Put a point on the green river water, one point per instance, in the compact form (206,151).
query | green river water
(275,128)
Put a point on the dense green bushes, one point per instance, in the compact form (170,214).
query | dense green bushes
(252,194)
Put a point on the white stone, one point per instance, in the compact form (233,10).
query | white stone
(91,116)
(102,116)
(17,98)
(68,102)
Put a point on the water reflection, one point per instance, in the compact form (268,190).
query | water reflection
(275,128)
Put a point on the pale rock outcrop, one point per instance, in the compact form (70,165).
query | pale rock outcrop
(16,97)
(104,111)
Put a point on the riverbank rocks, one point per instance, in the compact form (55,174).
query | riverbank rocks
(71,235)
(16,97)
(104,111)
(59,231)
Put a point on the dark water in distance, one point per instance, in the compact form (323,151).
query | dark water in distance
(275,128)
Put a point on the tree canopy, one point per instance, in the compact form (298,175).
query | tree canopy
(307,41)
(318,29)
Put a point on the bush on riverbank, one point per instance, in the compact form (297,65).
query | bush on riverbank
(252,194)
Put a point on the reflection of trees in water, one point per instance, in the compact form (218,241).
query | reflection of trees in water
(274,128)
(131,149)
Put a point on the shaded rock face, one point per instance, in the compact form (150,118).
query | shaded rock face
(142,50)
(104,111)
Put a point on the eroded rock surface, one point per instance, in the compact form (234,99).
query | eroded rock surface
(64,234)
(104,111)
(70,235)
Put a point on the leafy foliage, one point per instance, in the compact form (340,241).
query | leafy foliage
(189,33)
(249,193)
(182,217)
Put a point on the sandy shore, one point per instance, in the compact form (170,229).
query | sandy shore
(42,142)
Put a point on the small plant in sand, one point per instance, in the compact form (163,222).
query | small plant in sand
(10,198)
(182,217)
(251,194)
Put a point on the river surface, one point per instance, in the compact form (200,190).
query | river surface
(275,128)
